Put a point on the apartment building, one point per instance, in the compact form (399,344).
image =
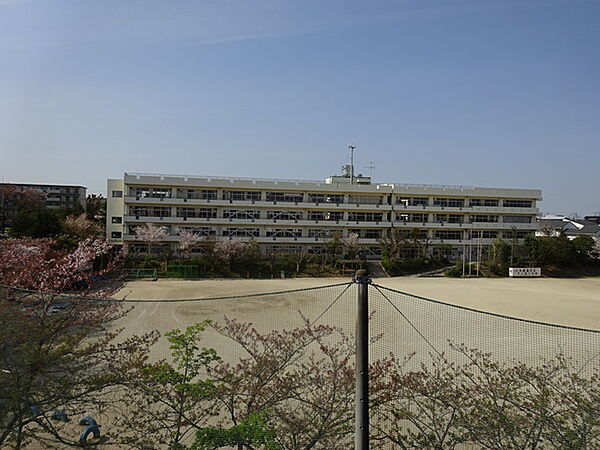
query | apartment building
(289,215)
(55,195)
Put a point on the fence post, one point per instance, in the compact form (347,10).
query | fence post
(361,439)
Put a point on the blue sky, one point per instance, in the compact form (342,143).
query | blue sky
(473,92)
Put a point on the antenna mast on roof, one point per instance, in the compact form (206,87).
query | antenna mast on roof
(351,148)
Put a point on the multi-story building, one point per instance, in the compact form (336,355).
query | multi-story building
(55,195)
(289,215)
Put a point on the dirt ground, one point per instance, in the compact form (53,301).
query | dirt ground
(570,302)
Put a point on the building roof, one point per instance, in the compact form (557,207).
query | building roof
(43,185)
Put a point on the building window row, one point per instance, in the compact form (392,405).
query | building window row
(241,195)
(324,233)
(202,213)
(197,194)
(241,214)
(360,216)
(483,202)
(284,215)
(284,232)
(326,198)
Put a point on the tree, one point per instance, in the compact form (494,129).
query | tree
(95,208)
(38,222)
(151,234)
(14,200)
(38,264)
(80,226)
(301,381)
(301,257)
(59,354)
(172,399)
(584,247)
(352,245)
(187,239)
(230,250)
(392,243)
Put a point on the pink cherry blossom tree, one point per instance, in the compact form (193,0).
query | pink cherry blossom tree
(187,239)
(151,234)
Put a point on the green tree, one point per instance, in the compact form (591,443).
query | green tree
(584,246)
(174,400)
(36,223)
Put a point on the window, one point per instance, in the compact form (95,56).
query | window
(241,232)
(517,234)
(326,198)
(284,232)
(149,192)
(365,199)
(440,218)
(203,213)
(291,197)
(241,214)
(483,234)
(284,215)
(367,233)
(455,218)
(197,194)
(419,217)
(517,203)
(324,233)
(451,235)
(483,202)
(450,202)
(325,215)
(116,220)
(200,231)
(150,211)
(117,194)
(484,218)
(402,217)
(365,217)
(241,195)
(412,234)
(516,219)
(116,235)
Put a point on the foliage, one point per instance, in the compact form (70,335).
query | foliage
(95,208)
(187,240)
(172,398)
(300,380)
(59,353)
(38,264)
(352,245)
(552,253)
(251,432)
(409,266)
(80,226)
(14,200)
(487,404)
(151,234)
(37,222)
(456,270)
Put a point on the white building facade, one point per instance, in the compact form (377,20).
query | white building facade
(289,215)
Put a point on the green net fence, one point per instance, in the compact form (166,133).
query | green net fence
(442,376)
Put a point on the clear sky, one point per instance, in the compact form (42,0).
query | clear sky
(499,93)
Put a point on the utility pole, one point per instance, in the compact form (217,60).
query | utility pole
(361,428)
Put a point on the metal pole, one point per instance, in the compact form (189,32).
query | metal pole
(361,439)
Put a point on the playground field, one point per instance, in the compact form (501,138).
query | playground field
(571,302)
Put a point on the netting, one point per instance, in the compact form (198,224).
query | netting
(443,376)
